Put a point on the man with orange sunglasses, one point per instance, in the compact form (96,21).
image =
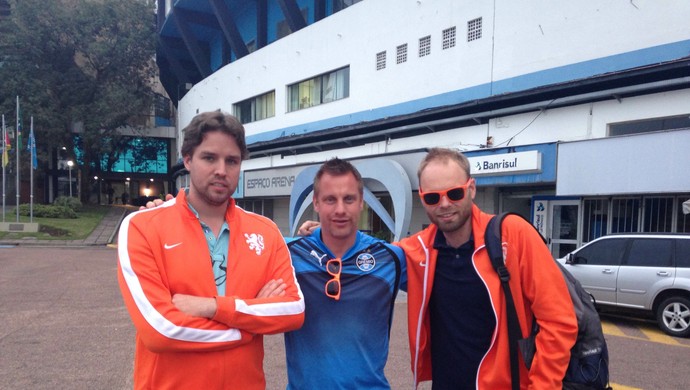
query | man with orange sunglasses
(349,281)
(456,310)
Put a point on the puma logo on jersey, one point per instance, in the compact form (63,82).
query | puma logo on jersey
(313,253)
(256,242)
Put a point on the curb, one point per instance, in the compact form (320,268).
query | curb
(98,237)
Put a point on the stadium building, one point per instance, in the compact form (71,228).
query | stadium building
(574,114)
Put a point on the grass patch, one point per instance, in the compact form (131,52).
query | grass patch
(58,228)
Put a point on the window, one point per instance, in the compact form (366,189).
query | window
(595,219)
(258,206)
(448,38)
(602,216)
(650,125)
(658,215)
(683,225)
(650,253)
(138,155)
(683,253)
(474,29)
(425,46)
(381,60)
(321,89)
(163,113)
(625,215)
(401,54)
(162,106)
(604,252)
(257,108)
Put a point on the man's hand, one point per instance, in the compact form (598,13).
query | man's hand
(274,288)
(307,228)
(155,203)
(206,307)
(195,306)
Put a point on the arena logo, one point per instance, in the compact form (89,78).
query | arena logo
(365,262)
(271,182)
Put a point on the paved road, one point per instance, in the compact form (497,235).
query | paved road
(64,327)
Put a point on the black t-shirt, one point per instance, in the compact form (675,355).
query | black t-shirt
(462,320)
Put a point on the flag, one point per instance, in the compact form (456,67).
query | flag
(19,126)
(5,147)
(31,146)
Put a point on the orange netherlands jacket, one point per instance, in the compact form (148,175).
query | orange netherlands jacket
(162,252)
(538,290)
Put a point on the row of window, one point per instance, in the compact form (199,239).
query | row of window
(643,252)
(324,88)
(474,32)
(603,216)
(335,85)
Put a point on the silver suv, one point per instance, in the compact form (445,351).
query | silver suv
(638,271)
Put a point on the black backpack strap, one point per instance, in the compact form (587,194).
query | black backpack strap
(494,246)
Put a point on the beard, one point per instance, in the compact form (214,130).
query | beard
(458,217)
(213,195)
(216,199)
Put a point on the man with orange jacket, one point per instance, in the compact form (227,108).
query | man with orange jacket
(202,279)
(457,321)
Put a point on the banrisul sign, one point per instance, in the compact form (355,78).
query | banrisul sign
(498,164)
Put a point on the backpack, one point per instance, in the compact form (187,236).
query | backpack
(588,367)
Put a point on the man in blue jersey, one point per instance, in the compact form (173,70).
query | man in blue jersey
(349,281)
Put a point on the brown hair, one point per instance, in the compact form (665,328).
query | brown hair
(213,121)
(338,167)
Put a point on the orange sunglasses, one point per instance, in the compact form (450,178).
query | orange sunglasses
(454,194)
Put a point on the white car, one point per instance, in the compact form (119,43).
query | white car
(639,271)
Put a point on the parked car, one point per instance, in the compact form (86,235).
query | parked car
(640,272)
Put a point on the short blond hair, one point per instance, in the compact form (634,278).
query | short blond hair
(444,155)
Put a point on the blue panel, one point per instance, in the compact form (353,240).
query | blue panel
(586,69)
(239,191)
(163,122)
(216,47)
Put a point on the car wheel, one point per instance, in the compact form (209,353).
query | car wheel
(673,316)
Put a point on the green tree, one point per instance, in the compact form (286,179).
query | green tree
(78,65)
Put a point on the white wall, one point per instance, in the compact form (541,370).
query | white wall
(528,37)
(585,121)
(542,34)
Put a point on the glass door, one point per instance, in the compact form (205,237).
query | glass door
(564,216)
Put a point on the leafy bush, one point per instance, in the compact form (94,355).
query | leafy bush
(384,235)
(48,211)
(69,202)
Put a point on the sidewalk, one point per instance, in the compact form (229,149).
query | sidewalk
(102,235)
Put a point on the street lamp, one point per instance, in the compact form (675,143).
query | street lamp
(69,164)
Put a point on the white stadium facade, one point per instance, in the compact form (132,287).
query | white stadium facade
(575,114)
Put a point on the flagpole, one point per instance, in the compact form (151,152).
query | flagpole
(31,170)
(4,154)
(19,136)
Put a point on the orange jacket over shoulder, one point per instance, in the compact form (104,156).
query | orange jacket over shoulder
(162,252)
(539,292)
